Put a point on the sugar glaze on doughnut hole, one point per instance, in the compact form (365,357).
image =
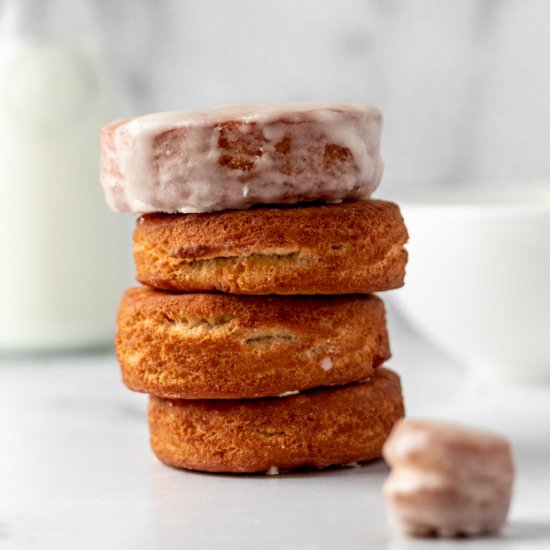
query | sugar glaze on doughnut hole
(446,479)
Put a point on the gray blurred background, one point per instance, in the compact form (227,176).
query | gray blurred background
(464,85)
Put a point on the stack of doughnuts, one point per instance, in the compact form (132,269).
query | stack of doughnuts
(256,331)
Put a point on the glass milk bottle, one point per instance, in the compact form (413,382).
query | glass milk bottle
(62,261)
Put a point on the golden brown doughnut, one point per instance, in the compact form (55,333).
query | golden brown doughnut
(226,347)
(354,247)
(316,429)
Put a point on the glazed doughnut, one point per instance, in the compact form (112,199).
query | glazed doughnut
(226,347)
(234,157)
(447,480)
(354,247)
(316,429)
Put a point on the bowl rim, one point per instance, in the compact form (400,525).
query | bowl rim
(500,197)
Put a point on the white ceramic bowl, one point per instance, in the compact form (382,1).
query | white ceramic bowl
(478,279)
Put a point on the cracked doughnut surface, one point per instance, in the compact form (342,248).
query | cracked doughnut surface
(226,347)
(315,429)
(355,247)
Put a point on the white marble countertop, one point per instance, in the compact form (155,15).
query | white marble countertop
(76,471)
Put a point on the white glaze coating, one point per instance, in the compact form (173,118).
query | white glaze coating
(287,393)
(447,479)
(180,162)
